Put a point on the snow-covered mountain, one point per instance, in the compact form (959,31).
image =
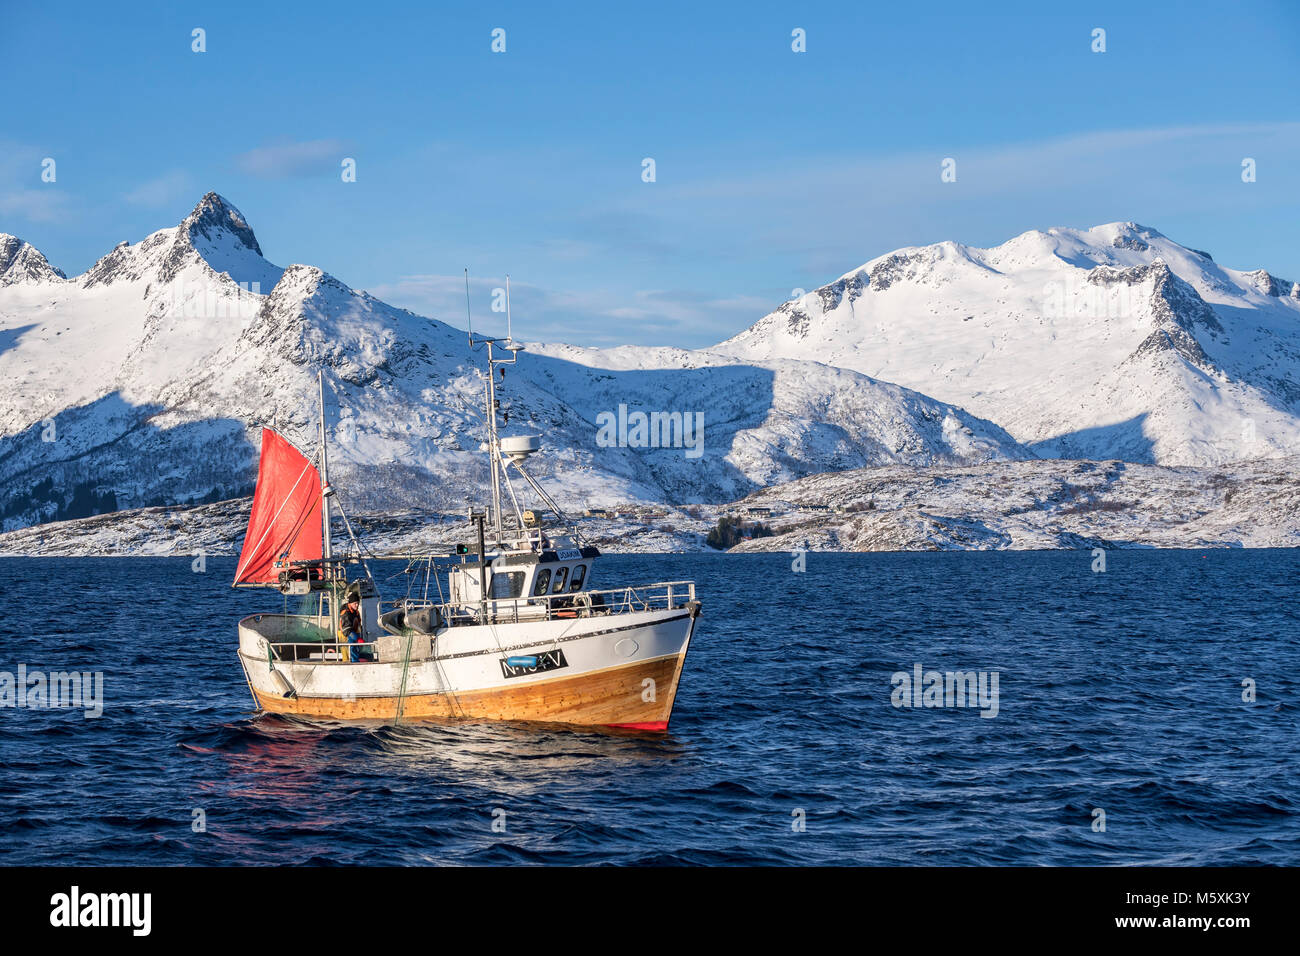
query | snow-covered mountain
(1111,342)
(21,262)
(143,381)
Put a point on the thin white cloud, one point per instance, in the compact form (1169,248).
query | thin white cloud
(594,317)
(808,221)
(49,204)
(285,160)
(23,194)
(162,190)
(988,170)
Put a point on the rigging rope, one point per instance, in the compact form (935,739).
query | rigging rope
(401,690)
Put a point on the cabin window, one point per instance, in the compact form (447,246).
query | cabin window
(543,581)
(579,573)
(561,575)
(507,584)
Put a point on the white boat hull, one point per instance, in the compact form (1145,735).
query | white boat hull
(617,670)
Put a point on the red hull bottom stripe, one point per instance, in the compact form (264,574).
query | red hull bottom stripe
(648,725)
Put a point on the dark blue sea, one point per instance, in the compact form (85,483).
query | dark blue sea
(1119,692)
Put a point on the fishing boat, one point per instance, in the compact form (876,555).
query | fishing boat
(519,634)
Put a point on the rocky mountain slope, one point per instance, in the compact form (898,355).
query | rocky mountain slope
(143,381)
(1037,505)
(1018,505)
(1112,342)
(20,262)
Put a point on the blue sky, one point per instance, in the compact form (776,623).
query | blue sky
(775,170)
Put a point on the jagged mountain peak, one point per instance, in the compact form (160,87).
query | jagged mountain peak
(1112,244)
(1130,228)
(219,234)
(314,297)
(282,319)
(215,215)
(177,366)
(312,319)
(1162,355)
(215,237)
(342,313)
(1111,341)
(1270,285)
(298,280)
(22,262)
(1124,251)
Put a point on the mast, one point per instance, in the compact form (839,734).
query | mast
(497,467)
(327,569)
(325,489)
(494,452)
(493,443)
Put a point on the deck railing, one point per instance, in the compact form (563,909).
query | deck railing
(291,637)
(664,596)
(278,630)
(329,652)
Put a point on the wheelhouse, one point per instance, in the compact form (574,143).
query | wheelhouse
(528,577)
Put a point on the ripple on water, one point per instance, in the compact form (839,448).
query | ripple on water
(1118,692)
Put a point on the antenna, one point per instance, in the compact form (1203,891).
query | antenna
(509,337)
(469,321)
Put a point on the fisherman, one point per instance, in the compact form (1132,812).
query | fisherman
(350,625)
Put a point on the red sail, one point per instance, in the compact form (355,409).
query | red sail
(285,523)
